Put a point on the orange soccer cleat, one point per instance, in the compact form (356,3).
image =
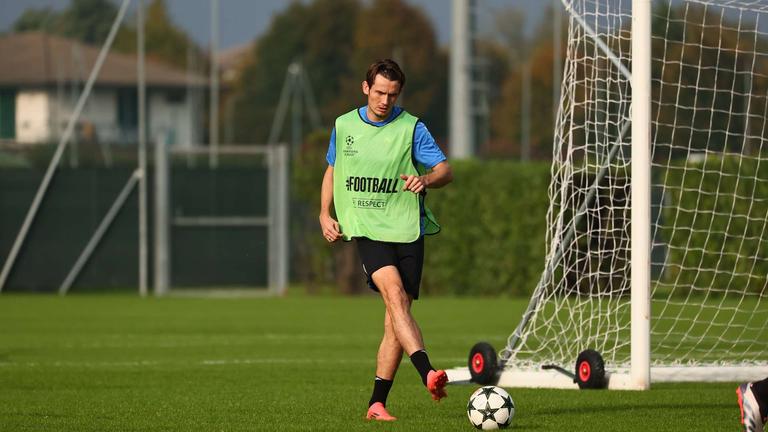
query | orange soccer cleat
(379,413)
(436,381)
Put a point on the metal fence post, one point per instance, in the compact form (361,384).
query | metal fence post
(162,268)
(278,219)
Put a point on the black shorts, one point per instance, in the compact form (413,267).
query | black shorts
(408,258)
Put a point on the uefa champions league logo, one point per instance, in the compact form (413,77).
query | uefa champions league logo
(348,150)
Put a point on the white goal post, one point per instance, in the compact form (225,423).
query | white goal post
(657,231)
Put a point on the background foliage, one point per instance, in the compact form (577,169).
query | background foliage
(493,220)
(729,208)
(336,41)
(492,237)
(493,215)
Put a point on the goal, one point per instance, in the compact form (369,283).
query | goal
(657,240)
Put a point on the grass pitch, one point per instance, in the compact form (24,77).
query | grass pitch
(122,363)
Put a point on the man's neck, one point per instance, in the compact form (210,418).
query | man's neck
(375,118)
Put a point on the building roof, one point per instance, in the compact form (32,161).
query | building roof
(235,56)
(232,60)
(35,58)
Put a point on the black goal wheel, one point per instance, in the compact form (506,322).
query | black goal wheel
(483,363)
(590,370)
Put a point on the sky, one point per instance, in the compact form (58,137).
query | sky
(240,21)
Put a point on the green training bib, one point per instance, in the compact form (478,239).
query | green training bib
(367,189)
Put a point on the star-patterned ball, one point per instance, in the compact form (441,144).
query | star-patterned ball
(490,408)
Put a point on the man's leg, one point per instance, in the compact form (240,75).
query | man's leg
(407,332)
(398,305)
(390,351)
(387,361)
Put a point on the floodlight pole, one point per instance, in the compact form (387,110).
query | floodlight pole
(640,369)
(461,101)
(142,156)
(213,133)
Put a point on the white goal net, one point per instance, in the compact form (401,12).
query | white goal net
(708,201)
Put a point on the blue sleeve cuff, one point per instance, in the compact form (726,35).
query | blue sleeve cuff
(330,156)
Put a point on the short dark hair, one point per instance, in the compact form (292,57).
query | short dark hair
(387,68)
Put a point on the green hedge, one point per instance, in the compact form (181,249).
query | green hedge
(493,228)
(725,224)
(492,218)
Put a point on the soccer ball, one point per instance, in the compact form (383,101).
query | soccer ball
(490,408)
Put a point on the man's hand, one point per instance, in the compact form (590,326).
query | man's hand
(413,183)
(330,228)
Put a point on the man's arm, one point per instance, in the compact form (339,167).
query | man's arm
(441,175)
(328,224)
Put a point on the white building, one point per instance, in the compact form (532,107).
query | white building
(42,76)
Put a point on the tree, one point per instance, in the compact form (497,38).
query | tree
(336,40)
(165,41)
(87,20)
(397,30)
(710,81)
(510,32)
(35,19)
(318,34)
(535,53)
(328,50)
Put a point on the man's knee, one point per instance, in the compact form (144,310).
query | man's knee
(395,297)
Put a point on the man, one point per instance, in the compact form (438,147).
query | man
(376,180)
(753,403)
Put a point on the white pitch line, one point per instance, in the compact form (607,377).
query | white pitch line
(124,341)
(210,362)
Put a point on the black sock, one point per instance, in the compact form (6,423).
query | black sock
(760,389)
(420,360)
(381,388)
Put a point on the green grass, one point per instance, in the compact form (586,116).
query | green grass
(105,362)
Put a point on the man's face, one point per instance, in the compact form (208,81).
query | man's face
(382,96)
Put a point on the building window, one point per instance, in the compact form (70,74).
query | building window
(175,96)
(7,114)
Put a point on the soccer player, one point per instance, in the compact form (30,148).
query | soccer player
(753,403)
(376,180)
